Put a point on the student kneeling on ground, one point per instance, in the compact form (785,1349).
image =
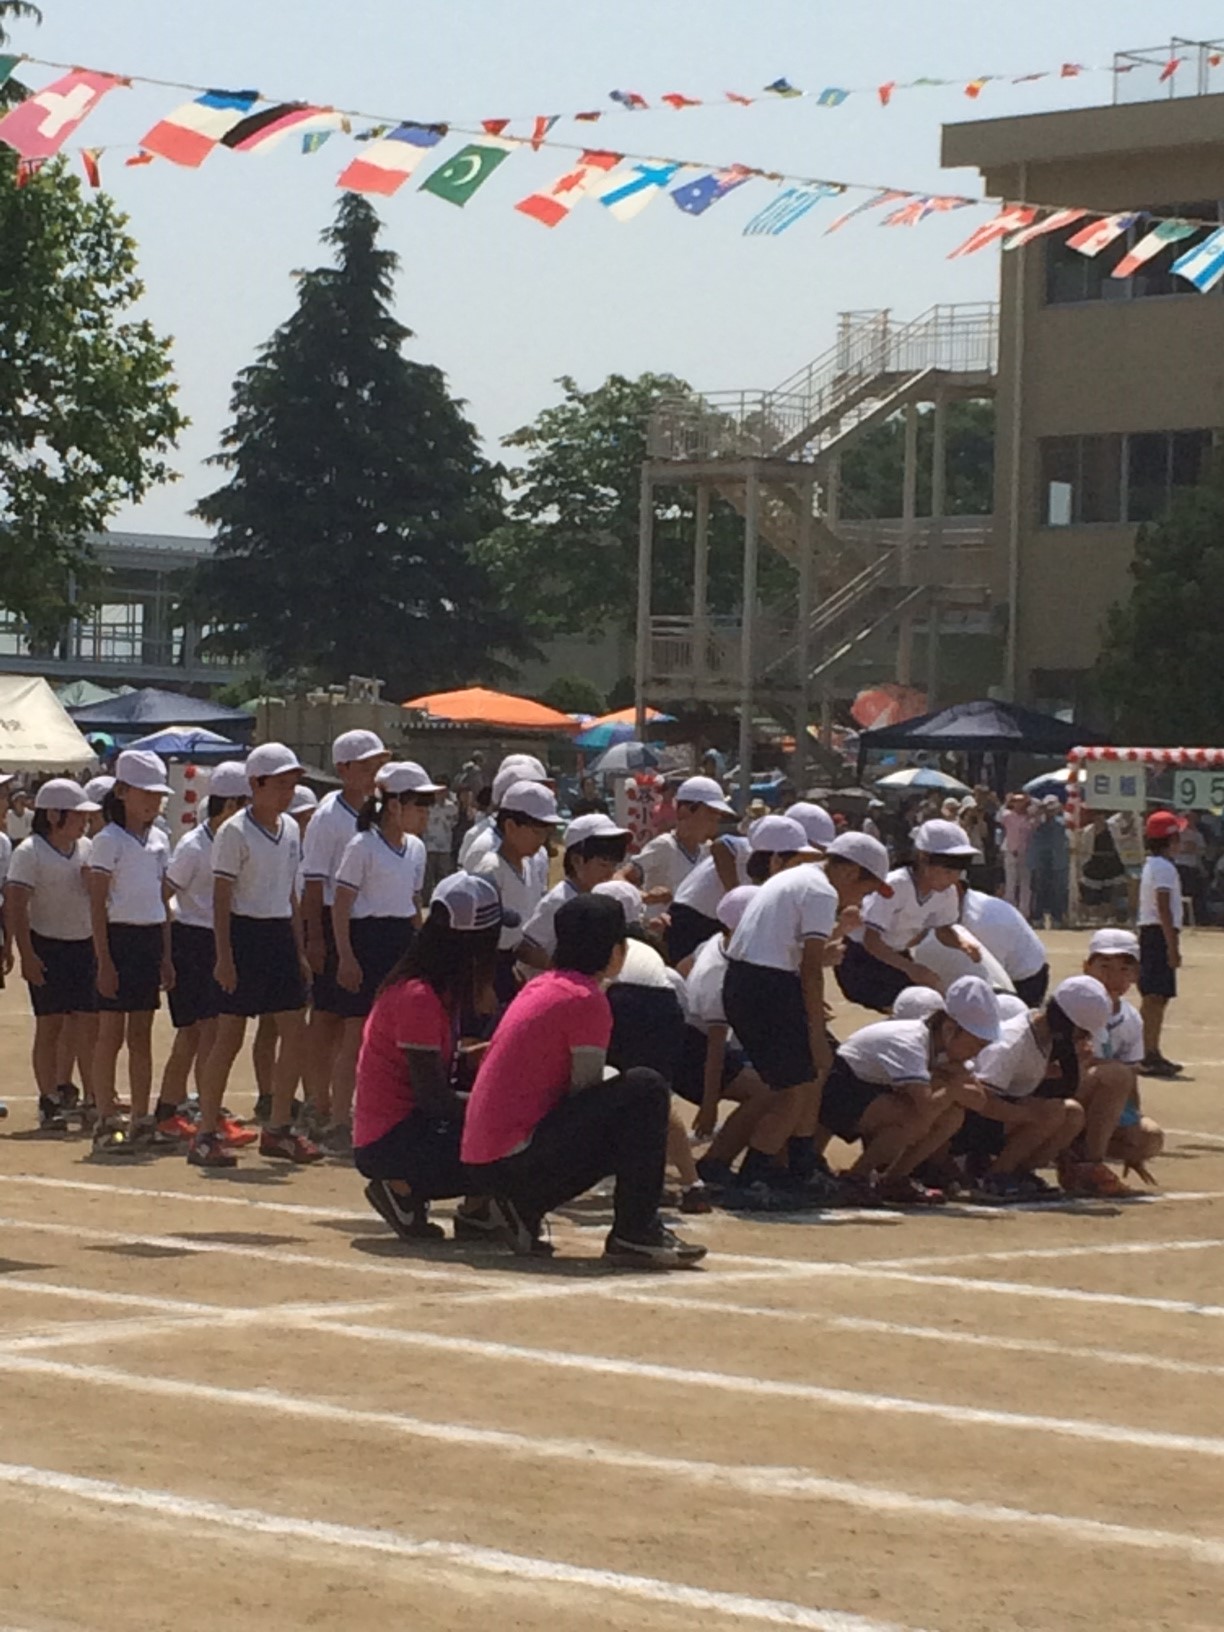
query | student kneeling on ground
(1113,959)
(897,1086)
(543,1125)
(407,1111)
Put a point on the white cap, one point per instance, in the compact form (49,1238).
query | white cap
(703,790)
(62,793)
(815,822)
(972,1004)
(864,852)
(406,776)
(1084,1001)
(533,800)
(1114,943)
(472,903)
(594,826)
(140,768)
(304,798)
(778,835)
(6,777)
(518,768)
(969,802)
(734,905)
(1010,1005)
(350,746)
(229,780)
(274,759)
(98,787)
(629,896)
(918,1003)
(937,838)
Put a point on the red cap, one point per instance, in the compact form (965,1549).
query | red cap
(1163,824)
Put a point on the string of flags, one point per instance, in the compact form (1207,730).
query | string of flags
(624,184)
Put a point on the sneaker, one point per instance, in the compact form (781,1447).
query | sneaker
(1096,1179)
(521,1233)
(52,1116)
(760,1197)
(283,1145)
(659,1249)
(483,1221)
(263,1109)
(337,1140)
(716,1175)
(112,1137)
(146,1135)
(696,1199)
(1155,1065)
(312,1122)
(1038,1189)
(1170,1065)
(208,1150)
(235,1134)
(408,1218)
(904,1191)
(178,1127)
(1001,1187)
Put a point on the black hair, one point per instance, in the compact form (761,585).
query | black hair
(371,813)
(589,930)
(42,823)
(459,965)
(760,863)
(217,803)
(1159,847)
(484,798)
(113,807)
(600,848)
(1062,1033)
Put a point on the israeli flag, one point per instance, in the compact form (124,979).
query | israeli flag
(1203,266)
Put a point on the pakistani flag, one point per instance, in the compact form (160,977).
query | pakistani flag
(470,168)
(8,67)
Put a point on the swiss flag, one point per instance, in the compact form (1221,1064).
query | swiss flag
(40,125)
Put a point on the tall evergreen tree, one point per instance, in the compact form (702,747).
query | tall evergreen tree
(346,532)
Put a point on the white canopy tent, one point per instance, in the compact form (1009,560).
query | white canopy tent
(35,732)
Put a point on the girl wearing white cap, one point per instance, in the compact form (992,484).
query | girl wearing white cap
(594,848)
(377,908)
(47,904)
(131,934)
(196,999)
(302,807)
(897,1086)
(877,964)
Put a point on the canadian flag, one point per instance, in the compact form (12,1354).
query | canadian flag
(552,207)
(39,126)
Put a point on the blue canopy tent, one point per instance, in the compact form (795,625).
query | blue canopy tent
(147,710)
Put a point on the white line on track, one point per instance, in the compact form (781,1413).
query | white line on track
(456,1556)
(1193,1133)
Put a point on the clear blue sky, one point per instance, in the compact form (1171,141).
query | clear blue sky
(501,304)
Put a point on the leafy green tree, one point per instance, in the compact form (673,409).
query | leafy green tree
(873,469)
(1159,669)
(346,532)
(87,410)
(566,558)
(573,694)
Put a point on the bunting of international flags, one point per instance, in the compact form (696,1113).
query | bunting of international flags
(624,184)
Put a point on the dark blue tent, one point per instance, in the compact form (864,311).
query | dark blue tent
(140,712)
(980,728)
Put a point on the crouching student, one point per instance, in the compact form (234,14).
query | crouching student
(1113,959)
(774,1002)
(896,1086)
(543,1123)
(878,965)
(594,847)
(407,1109)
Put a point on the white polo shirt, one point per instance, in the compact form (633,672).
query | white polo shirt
(261,864)
(190,875)
(1015,1066)
(702,889)
(331,827)
(1004,932)
(1121,1037)
(704,986)
(476,836)
(135,867)
(6,856)
(522,894)
(906,916)
(1159,873)
(790,908)
(386,880)
(665,863)
(59,897)
(487,844)
(541,928)
(890,1052)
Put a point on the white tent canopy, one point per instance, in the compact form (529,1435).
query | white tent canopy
(35,732)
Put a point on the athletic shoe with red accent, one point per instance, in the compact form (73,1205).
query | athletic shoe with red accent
(1096,1179)
(208,1151)
(283,1145)
(177,1126)
(236,1134)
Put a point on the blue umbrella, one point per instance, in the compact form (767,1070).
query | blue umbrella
(193,743)
(922,776)
(625,758)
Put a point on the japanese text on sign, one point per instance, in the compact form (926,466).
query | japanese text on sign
(1114,787)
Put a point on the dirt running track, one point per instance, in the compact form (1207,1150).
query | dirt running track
(234,1402)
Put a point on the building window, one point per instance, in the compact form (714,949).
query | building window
(1072,278)
(1121,477)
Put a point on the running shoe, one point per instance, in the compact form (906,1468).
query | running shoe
(521,1233)
(237,1135)
(480,1221)
(1155,1065)
(904,1191)
(1098,1180)
(408,1218)
(52,1115)
(283,1145)
(178,1127)
(696,1199)
(112,1137)
(207,1150)
(337,1140)
(1000,1187)
(146,1135)
(659,1248)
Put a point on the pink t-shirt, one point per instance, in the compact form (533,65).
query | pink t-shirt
(410,1014)
(1017,827)
(527,1070)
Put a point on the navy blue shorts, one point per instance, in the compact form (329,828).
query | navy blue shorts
(270,979)
(1157,977)
(689,1080)
(70,977)
(136,952)
(766,1011)
(196,995)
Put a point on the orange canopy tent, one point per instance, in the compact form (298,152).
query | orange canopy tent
(477,706)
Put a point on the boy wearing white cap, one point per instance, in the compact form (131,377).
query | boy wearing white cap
(260,958)
(1113,959)
(594,848)
(660,867)
(131,935)
(47,907)
(526,817)
(195,999)
(896,1085)
(877,965)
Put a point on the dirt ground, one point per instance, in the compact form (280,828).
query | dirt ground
(235,1401)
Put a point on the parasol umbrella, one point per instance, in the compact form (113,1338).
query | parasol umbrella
(624,759)
(621,726)
(918,777)
(1049,782)
(475,705)
(189,742)
(887,705)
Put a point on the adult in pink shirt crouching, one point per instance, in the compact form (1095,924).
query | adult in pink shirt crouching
(546,1122)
